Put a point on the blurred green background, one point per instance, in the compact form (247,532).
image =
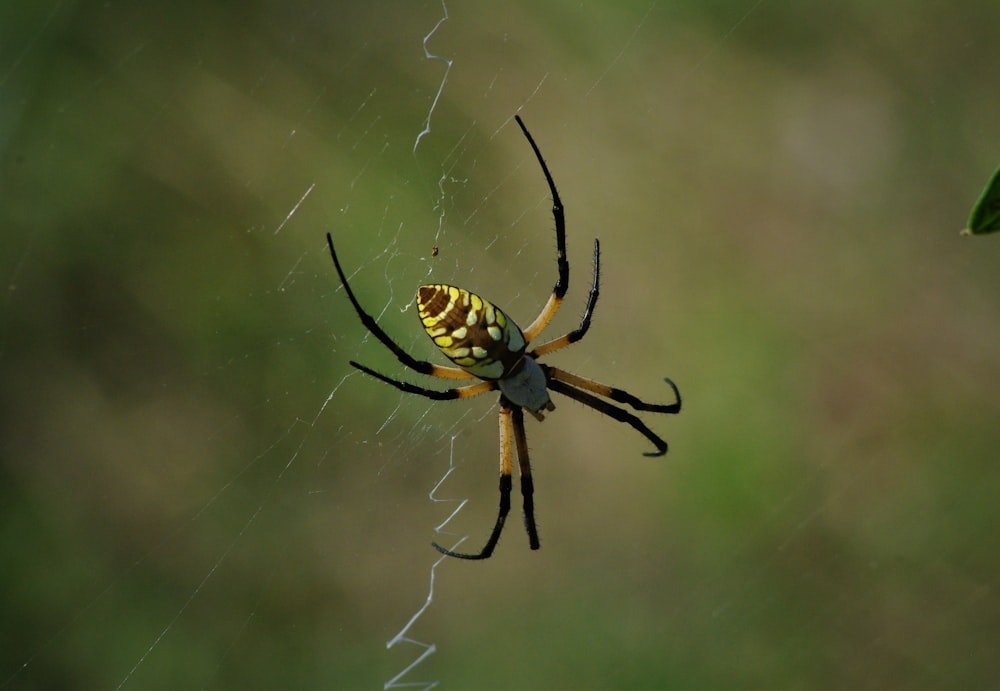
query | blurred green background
(198,491)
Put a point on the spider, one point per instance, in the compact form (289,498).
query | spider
(487,345)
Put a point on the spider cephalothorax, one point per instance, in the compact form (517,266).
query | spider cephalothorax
(488,345)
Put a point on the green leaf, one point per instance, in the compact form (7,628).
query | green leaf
(985,216)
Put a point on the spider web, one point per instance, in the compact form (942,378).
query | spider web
(199,491)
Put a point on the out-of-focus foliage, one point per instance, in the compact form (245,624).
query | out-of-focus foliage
(985,216)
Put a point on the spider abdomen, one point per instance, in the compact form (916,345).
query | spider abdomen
(471,331)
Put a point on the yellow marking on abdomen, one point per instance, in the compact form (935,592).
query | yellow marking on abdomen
(472,332)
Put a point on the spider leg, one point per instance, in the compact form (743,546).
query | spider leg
(506,431)
(611,411)
(578,333)
(562,282)
(613,393)
(527,486)
(421,366)
(446,395)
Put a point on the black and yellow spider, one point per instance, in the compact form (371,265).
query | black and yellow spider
(486,344)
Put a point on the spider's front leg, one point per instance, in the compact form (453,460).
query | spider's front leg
(505,487)
(511,426)
(527,485)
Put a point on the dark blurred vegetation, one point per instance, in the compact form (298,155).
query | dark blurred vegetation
(195,493)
